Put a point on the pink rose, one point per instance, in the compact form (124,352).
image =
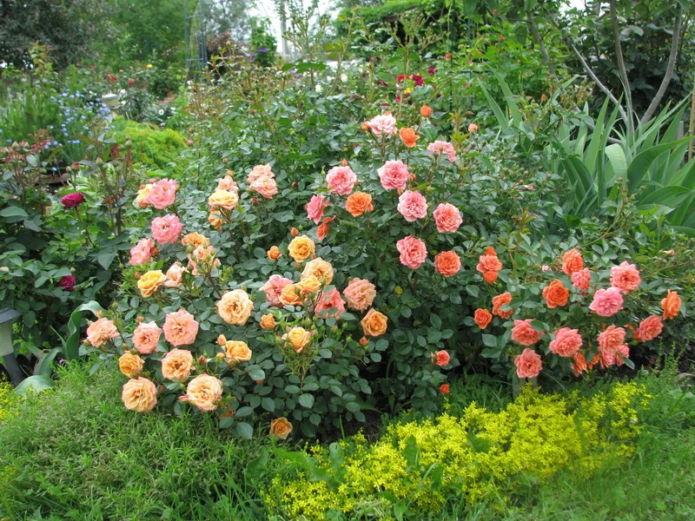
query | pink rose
(341,180)
(649,329)
(162,194)
(413,252)
(360,294)
(394,175)
(329,301)
(166,230)
(175,275)
(472,128)
(412,205)
(607,302)
(228,184)
(265,186)
(621,354)
(180,328)
(611,338)
(447,217)
(524,334)
(528,364)
(141,252)
(441,358)
(625,277)
(274,287)
(442,147)
(72,200)
(581,279)
(258,172)
(146,337)
(566,343)
(101,331)
(315,207)
(384,124)
(545,268)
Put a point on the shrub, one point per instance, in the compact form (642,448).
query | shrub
(155,148)
(417,466)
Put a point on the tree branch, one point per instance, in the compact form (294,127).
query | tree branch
(541,45)
(669,69)
(620,59)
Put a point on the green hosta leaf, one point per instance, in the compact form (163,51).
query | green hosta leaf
(38,383)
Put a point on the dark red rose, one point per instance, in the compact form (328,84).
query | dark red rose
(447,56)
(67,282)
(400,78)
(432,70)
(131,82)
(417,79)
(72,200)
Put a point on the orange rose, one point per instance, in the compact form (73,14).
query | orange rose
(447,263)
(130,364)
(408,136)
(289,296)
(237,351)
(556,294)
(671,305)
(498,302)
(195,239)
(364,341)
(301,248)
(364,126)
(139,394)
(482,318)
(280,428)
(490,276)
(294,232)
(359,203)
(298,338)
(274,253)
(572,262)
(374,323)
(425,111)
(268,321)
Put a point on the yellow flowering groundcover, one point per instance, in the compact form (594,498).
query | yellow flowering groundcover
(419,465)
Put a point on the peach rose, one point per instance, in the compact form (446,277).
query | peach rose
(374,323)
(382,125)
(408,136)
(309,285)
(298,338)
(143,194)
(360,294)
(215,220)
(130,364)
(320,269)
(204,391)
(524,334)
(274,253)
(625,277)
(162,194)
(237,351)
(528,364)
(412,205)
(441,358)
(195,239)
(301,248)
(578,364)
(341,180)
(139,394)
(258,172)
(488,263)
(472,128)
(280,428)
(567,342)
(180,328)
(607,302)
(174,275)
(268,321)
(413,252)
(610,339)
(274,287)
(177,365)
(204,256)
(447,263)
(498,302)
(146,337)
(264,186)
(649,329)
(572,262)
(482,318)
(315,207)
(425,111)
(447,218)
(141,252)
(227,183)
(166,230)
(394,175)
(581,279)
(671,305)
(330,301)
(442,147)
(235,307)
(556,294)
(290,295)
(101,331)
(359,203)
(150,282)
(223,199)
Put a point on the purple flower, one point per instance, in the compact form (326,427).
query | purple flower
(72,200)
(67,282)
(263,49)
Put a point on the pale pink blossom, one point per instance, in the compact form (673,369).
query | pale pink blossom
(265,186)
(625,277)
(274,287)
(413,252)
(341,180)
(228,184)
(166,230)
(447,218)
(141,252)
(607,302)
(383,124)
(581,279)
(162,194)
(315,207)
(412,205)
(258,172)
(327,302)
(175,275)
(394,175)
(442,147)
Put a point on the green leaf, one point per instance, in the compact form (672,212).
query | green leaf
(13,211)
(306,400)
(256,373)
(37,382)
(490,340)
(268,404)
(244,430)
(105,259)
(244,411)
